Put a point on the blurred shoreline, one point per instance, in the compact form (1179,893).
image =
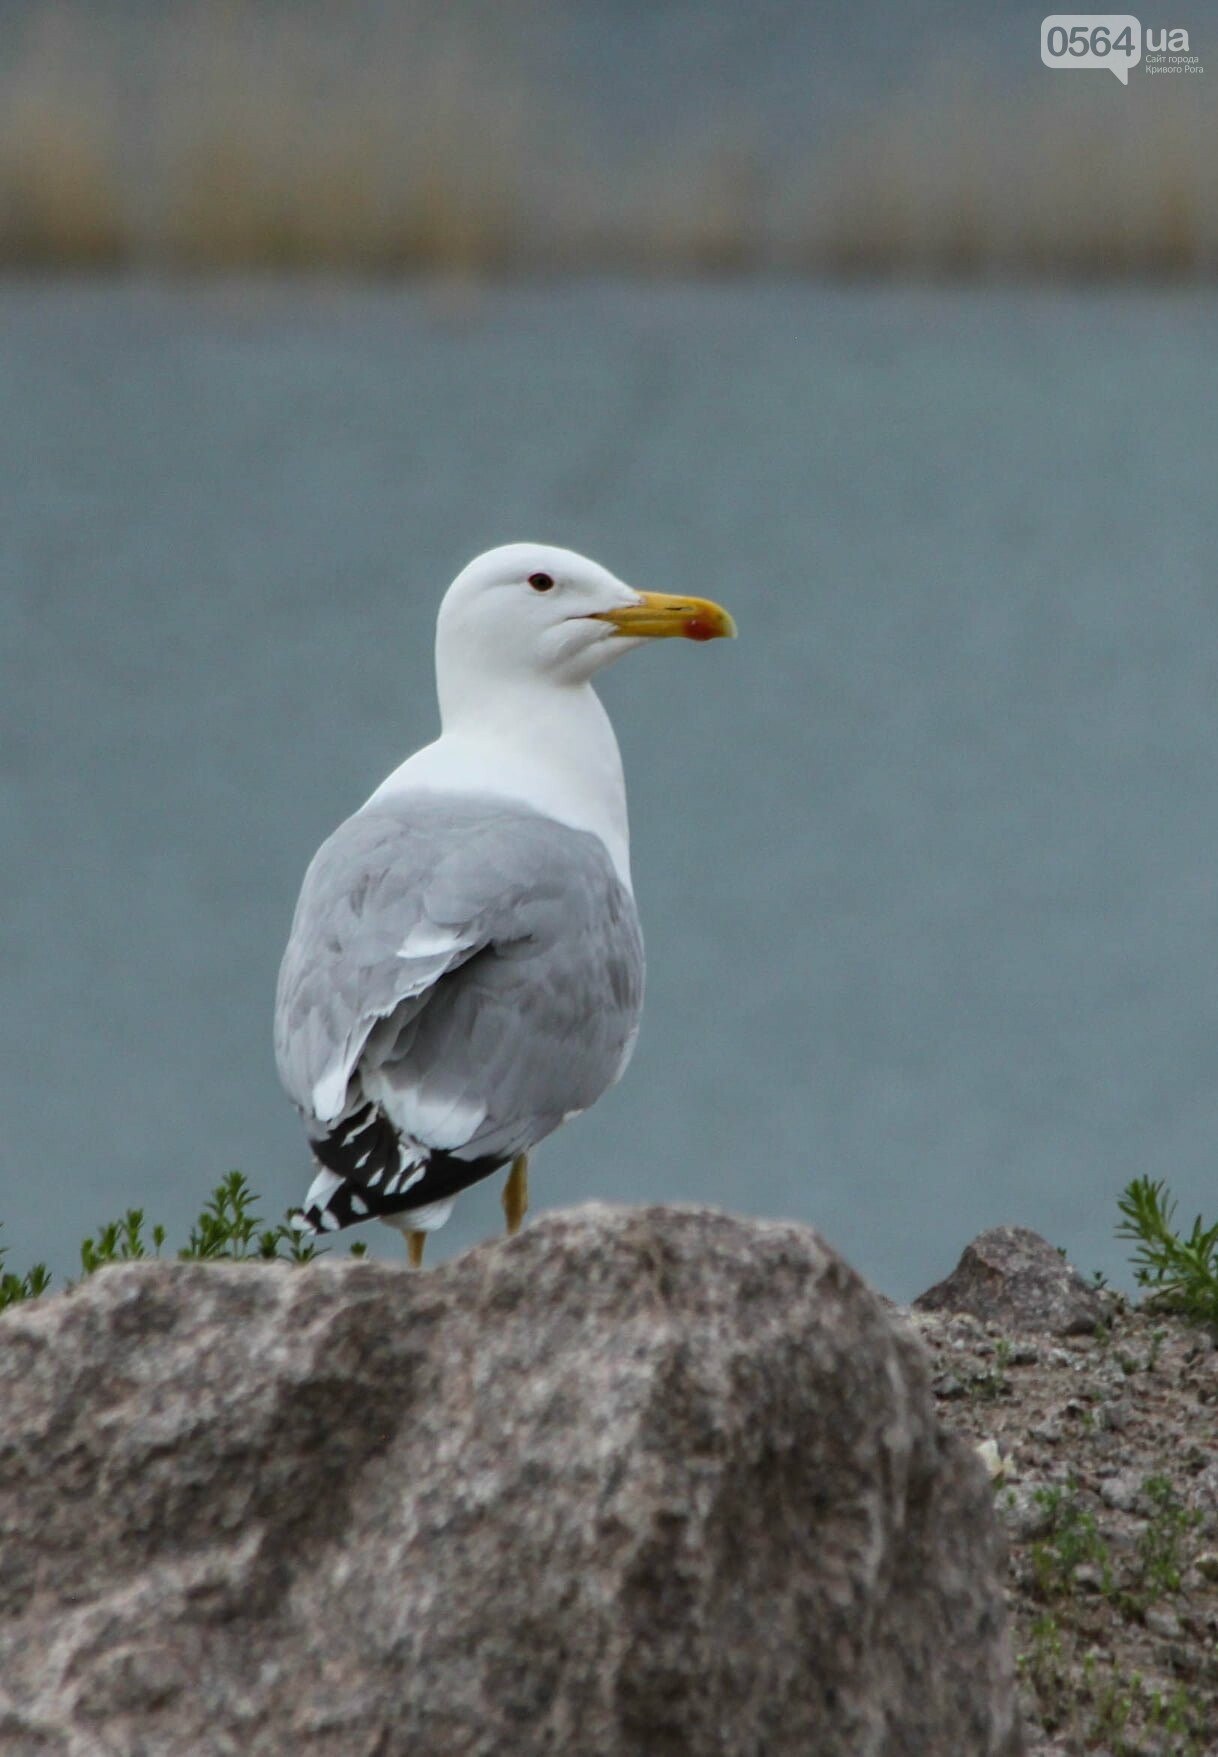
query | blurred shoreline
(220,139)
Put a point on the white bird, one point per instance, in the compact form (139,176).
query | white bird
(465,966)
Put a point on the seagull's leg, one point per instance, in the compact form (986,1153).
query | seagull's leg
(516,1193)
(414,1244)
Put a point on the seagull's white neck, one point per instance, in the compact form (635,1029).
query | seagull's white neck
(550,745)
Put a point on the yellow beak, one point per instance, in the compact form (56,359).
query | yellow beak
(657,614)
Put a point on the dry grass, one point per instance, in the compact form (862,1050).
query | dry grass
(1060,182)
(60,184)
(224,139)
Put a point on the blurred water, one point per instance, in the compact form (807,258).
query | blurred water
(925,859)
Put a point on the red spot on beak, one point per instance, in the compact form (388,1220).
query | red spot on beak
(698,628)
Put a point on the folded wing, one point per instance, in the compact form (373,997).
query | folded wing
(462,973)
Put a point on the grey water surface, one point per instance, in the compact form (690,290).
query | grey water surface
(926,859)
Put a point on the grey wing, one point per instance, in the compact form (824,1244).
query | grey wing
(475,968)
(359,949)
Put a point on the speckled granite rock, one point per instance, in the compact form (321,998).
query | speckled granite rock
(637,1481)
(1012,1276)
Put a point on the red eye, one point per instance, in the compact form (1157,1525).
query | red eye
(541,582)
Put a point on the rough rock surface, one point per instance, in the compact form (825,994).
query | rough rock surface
(1011,1276)
(651,1481)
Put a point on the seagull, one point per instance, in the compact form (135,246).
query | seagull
(464,972)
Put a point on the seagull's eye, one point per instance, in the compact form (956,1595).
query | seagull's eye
(541,582)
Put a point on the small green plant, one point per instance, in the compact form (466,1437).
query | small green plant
(1180,1716)
(1118,1703)
(1100,1706)
(1042,1665)
(1113,1702)
(228,1228)
(1161,1558)
(1179,1272)
(120,1241)
(1073,1540)
(284,1243)
(14,1288)
(228,1225)
(990,1384)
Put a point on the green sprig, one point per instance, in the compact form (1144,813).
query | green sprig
(1180,1272)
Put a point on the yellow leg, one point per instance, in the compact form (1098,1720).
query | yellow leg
(414,1244)
(516,1193)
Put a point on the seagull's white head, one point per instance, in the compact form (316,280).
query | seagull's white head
(529,612)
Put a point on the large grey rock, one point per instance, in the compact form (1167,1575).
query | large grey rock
(649,1482)
(1013,1277)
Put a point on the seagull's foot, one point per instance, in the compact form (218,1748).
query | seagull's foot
(414,1244)
(516,1193)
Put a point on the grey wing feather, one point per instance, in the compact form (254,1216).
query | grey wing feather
(477,966)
